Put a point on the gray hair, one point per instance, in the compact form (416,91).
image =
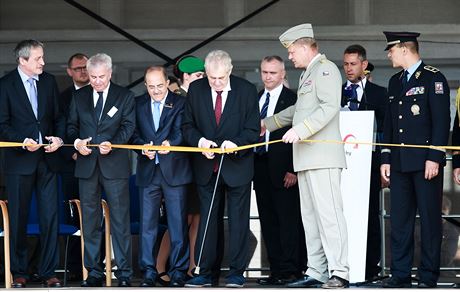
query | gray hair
(218,58)
(99,59)
(22,49)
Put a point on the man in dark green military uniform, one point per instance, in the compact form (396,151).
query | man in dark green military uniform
(418,113)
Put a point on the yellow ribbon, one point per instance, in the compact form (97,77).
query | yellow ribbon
(231,150)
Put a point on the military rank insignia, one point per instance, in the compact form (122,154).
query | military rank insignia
(438,88)
(326,73)
(416,90)
(417,74)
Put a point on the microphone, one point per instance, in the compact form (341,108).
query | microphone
(364,91)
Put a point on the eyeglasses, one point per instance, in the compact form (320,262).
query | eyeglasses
(79,69)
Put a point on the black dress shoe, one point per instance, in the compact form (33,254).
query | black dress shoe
(335,283)
(147,282)
(92,282)
(306,282)
(394,282)
(19,283)
(426,285)
(124,282)
(270,281)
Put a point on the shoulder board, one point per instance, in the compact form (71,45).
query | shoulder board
(431,69)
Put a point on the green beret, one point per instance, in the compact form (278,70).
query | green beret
(191,65)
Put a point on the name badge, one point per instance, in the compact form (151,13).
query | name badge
(112,111)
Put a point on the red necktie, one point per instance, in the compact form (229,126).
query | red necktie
(218,114)
(218,107)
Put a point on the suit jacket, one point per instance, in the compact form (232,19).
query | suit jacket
(240,123)
(279,155)
(375,99)
(67,164)
(117,129)
(315,116)
(18,122)
(175,166)
(417,114)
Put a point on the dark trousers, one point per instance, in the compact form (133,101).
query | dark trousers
(117,194)
(238,201)
(411,192)
(175,199)
(280,221)
(20,189)
(373,226)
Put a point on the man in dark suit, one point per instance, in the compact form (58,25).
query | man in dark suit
(104,114)
(222,111)
(373,98)
(418,113)
(275,183)
(29,114)
(161,174)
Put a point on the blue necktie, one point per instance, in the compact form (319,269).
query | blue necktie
(34,103)
(354,97)
(263,114)
(33,96)
(156,122)
(98,108)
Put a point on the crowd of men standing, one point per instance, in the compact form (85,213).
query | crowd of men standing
(297,186)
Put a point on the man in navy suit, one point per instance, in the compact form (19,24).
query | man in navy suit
(103,113)
(275,183)
(161,174)
(222,111)
(29,114)
(373,98)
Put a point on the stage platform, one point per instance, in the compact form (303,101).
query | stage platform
(251,284)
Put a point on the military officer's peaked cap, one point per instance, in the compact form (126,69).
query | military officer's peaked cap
(394,38)
(191,64)
(294,33)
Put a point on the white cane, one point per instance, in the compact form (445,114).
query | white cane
(197,269)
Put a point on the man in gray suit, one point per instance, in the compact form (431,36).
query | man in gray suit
(318,165)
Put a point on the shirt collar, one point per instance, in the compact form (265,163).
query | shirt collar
(364,81)
(105,92)
(313,60)
(227,87)
(162,102)
(276,91)
(25,77)
(412,69)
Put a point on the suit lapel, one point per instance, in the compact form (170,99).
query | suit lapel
(281,101)
(110,101)
(22,93)
(229,103)
(148,112)
(41,99)
(207,100)
(167,107)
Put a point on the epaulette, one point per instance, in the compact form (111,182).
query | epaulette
(431,69)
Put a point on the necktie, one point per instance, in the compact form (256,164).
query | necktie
(404,78)
(98,108)
(218,107)
(156,115)
(263,114)
(33,96)
(354,97)
(156,122)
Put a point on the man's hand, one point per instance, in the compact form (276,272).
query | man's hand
(31,143)
(105,147)
(290,179)
(431,169)
(291,136)
(149,153)
(228,145)
(385,172)
(80,145)
(208,144)
(456,175)
(164,143)
(263,129)
(56,142)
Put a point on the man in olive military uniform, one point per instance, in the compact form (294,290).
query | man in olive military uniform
(418,113)
(318,165)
